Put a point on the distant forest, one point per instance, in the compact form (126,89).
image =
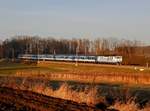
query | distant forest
(132,51)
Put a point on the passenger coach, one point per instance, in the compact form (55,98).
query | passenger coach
(73,58)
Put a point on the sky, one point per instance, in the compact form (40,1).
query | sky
(128,19)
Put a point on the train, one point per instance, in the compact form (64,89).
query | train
(73,58)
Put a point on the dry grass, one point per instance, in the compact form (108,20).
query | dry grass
(88,95)
(129,106)
(140,79)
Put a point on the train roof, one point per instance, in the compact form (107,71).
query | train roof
(68,55)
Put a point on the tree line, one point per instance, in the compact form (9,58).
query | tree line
(11,48)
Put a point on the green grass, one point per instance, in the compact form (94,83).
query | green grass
(9,68)
(96,68)
(12,68)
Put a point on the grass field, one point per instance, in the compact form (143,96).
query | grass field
(83,72)
(101,68)
(65,71)
(11,68)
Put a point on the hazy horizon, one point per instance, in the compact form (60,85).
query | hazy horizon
(76,19)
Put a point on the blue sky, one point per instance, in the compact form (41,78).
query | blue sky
(76,18)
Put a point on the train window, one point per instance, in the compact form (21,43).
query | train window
(82,57)
(73,57)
